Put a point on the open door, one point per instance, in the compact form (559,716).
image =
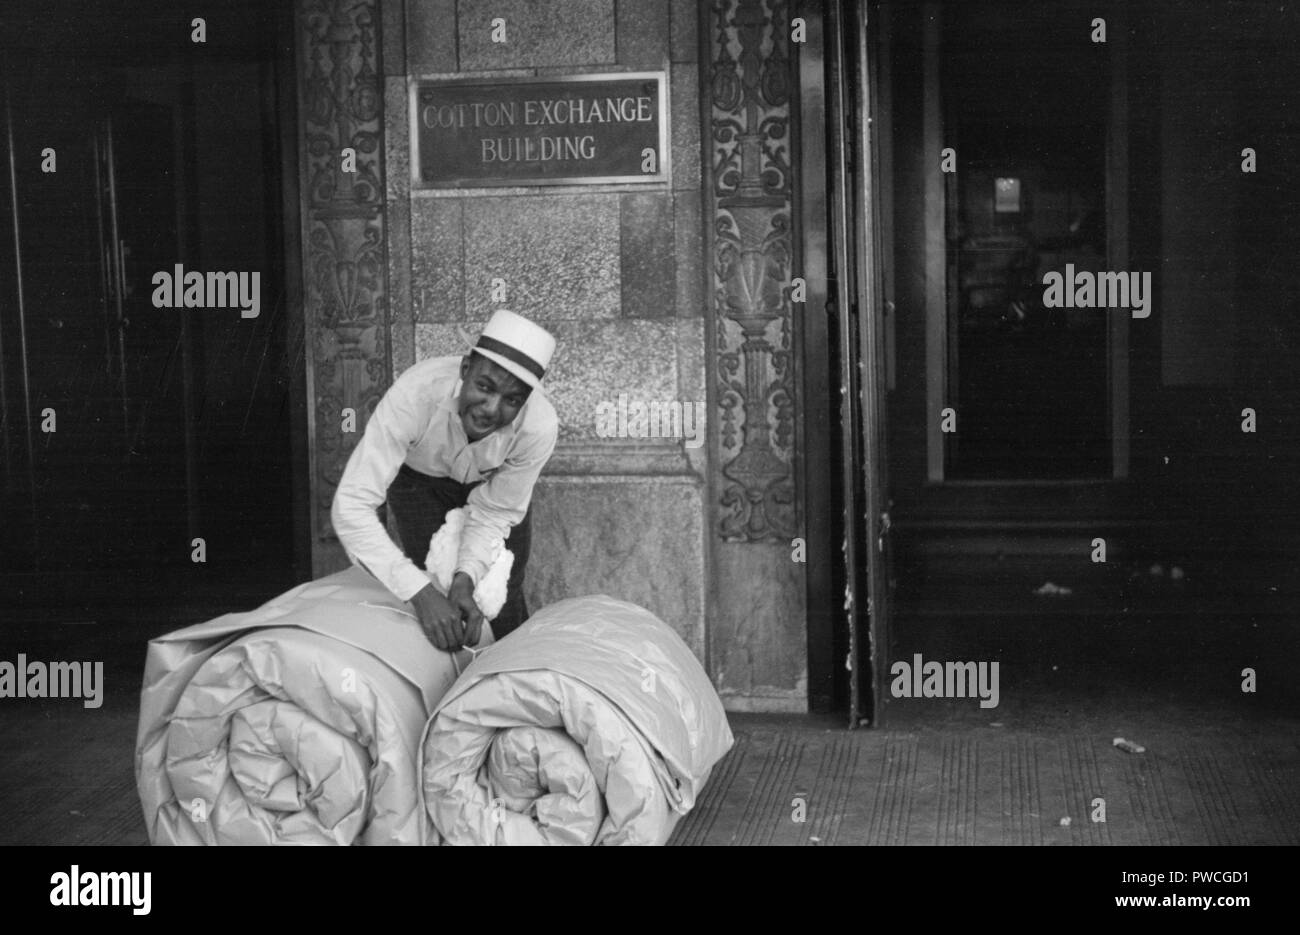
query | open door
(856,299)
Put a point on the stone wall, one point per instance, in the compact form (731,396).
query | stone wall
(618,274)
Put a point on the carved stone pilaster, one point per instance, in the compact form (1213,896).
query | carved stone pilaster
(751,242)
(341,103)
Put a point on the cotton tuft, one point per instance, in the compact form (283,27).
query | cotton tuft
(440,565)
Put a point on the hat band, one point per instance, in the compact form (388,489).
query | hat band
(512,355)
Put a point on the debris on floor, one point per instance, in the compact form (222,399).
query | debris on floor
(1160,574)
(1129,746)
(1048,589)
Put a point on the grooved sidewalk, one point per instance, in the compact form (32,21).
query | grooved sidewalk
(946,773)
(1211,785)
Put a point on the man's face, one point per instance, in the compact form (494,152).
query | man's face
(490,397)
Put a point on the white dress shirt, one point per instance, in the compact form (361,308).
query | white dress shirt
(417,423)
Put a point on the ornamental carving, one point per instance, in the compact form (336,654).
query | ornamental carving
(341,103)
(752,242)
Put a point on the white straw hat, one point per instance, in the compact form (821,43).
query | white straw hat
(518,345)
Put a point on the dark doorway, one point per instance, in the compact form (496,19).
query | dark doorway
(1025,110)
(133,430)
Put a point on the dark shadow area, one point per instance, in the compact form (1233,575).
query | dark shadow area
(1025,114)
(134,427)
(1167,565)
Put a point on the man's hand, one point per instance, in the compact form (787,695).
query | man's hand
(439,618)
(461,597)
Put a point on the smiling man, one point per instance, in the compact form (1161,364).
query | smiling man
(471,432)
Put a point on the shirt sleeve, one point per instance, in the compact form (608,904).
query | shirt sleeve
(499,504)
(364,487)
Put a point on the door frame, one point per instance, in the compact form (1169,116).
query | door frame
(848,575)
(872,359)
(827,637)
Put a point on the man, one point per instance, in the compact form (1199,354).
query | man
(471,432)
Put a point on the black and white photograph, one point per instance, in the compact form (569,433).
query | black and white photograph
(592,422)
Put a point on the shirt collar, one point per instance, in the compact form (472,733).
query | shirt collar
(448,402)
